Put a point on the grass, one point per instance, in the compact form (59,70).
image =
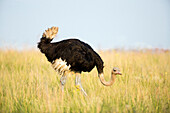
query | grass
(28,83)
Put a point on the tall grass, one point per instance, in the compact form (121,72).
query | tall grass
(28,83)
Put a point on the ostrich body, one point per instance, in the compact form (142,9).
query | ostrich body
(72,55)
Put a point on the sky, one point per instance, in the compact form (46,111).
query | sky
(103,24)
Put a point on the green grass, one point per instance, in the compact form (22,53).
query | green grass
(28,83)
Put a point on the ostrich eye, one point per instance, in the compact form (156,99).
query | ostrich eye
(114,70)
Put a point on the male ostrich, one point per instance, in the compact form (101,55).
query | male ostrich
(72,55)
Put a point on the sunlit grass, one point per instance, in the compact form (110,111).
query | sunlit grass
(28,83)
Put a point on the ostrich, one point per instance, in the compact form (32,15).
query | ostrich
(72,55)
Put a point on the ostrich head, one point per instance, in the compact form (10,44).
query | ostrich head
(116,71)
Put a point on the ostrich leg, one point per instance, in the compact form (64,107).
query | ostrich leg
(78,83)
(63,81)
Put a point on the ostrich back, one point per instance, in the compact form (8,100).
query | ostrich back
(76,53)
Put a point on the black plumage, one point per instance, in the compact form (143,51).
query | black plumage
(76,53)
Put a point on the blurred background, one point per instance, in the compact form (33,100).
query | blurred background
(104,24)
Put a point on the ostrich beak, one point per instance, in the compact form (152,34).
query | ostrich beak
(118,73)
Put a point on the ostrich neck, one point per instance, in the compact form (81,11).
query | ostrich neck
(107,83)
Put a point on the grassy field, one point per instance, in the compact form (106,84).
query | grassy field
(28,83)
